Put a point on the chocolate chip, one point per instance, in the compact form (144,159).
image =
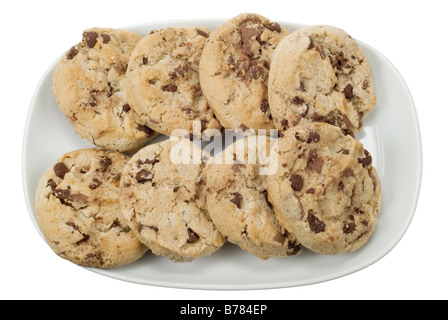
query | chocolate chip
(365,223)
(279,237)
(94,184)
(264,106)
(313,137)
(90,38)
(120,66)
(192,236)
(255,71)
(145,129)
(170,88)
(315,224)
(147,161)
(265,193)
(247,33)
(78,197)
(51,184)
(73,225)
(152,81)
(62,194)
(348,91)
(298,101)
(345,151)
(104,163)
(202,33)
(348,172)
(367,160)
(145,61)
(126,107)
(310,191)
(321,51)
(60,169)
(275,27)
(176,188)
(92,101)
(72,53)
(348,228)
(141,226)
(284,123)
(311,46)
(315,163)
(296,182)
(365,84)
(143,175)
(295,248)
(302,87)
(237,199)
(106,38)
(180,70)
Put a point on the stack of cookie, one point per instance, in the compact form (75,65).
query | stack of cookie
(108,205)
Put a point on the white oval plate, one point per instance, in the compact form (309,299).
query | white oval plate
(391,134)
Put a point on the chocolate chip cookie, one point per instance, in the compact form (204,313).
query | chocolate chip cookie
(237,200)
(78,211)
(234,70)
(163,200)
(319,73)
(326,191)
(88,85)
(163,80)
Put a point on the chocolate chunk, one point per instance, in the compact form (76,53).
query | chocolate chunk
(311,46)
(202,33)
(313,137)
(315,224)
(264,106)
(73,225)
(145,129)
(147,161)
(348,227)
(321,51)
(170,88)
(90,38)
(364,223)
(51,184)
(345,151)
(247,33)
(152,81)
(145,60)
(62,194)
(255,71)
(279,237)
(237,199)
(275,27)
(310,190)
(106,38)
(78,197)
(180,70)
(72,53)
(365,84)
(251,18)
(94,184)
(348,91)
(143,175)
(92,101)
(315,163)
(60,169)
(120,66)
(192,236)
(298,101)
(126,107)
(348,172)
(176,188)
(367,160)
(104,163)
(284,123)
(295,248)
(296,182)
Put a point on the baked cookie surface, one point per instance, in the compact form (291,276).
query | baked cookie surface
(326,191)
(163,80)
(319,73)
(237,201)
(164,202)
(78,211)
(234,70)
(89,89)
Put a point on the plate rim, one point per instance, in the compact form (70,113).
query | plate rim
(232,286)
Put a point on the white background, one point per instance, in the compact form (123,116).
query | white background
(411,34)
